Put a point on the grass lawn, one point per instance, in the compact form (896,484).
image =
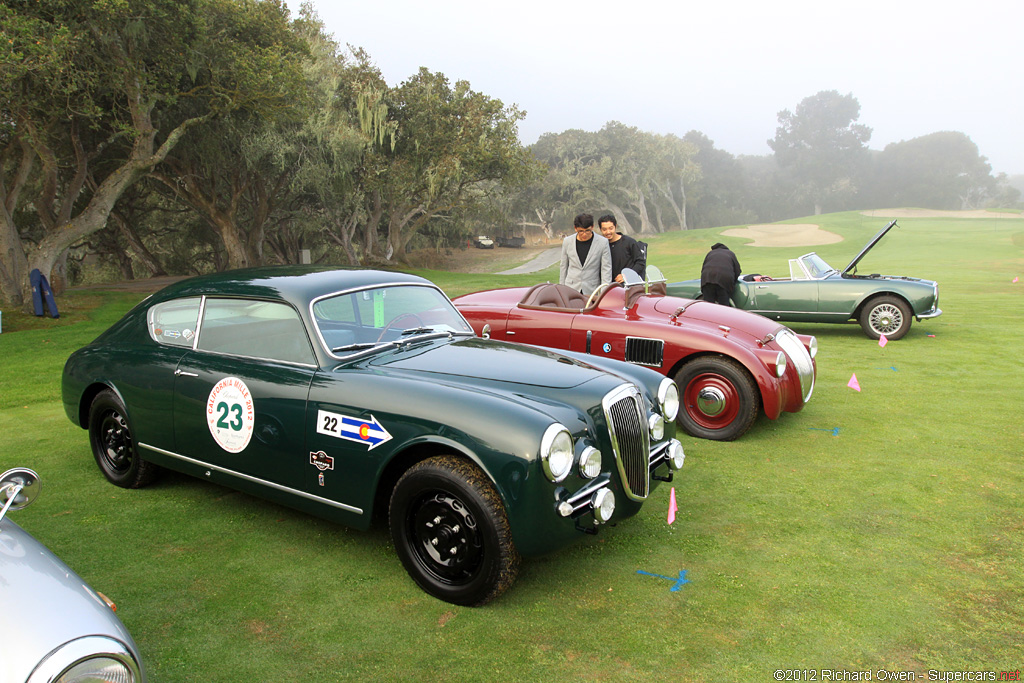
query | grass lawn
(874,531)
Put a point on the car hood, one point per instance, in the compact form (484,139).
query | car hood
(867,247)
(716,315)
(46,604)
(492,360)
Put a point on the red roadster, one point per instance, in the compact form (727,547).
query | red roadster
(729,364)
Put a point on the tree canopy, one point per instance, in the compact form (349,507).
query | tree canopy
(182,136)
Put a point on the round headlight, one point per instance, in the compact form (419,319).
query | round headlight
(97,669)
(656,423)
(676,457)
(556,454)
(590,463)
(812,347)
(668,397)
(604,505)
(780,364)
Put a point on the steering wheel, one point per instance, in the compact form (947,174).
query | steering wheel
(394,320)
(595,295)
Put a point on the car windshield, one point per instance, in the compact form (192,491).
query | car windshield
(350,322)
(816,266)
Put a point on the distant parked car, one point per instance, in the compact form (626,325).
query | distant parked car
(816,292)
(54,627)
(511,242)
(729,365)
(483,242)
(350,393)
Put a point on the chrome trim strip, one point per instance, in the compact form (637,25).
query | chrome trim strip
(934,313)
(769,312)
(254,480)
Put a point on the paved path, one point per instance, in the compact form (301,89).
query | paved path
(540,262)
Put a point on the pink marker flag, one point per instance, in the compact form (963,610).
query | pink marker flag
(853,383)
(882,341)
(1015,280)
(672,507)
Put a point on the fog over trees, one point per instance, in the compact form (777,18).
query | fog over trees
(184,136)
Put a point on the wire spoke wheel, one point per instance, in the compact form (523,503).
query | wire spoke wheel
(886,315)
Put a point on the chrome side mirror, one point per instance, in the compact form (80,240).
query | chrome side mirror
(18,488)
(486,332)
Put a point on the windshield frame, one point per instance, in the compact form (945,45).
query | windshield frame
(391,343)
(814,264)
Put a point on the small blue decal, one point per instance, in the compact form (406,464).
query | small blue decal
(607,347)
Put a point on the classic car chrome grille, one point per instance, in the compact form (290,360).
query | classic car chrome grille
(800,359)
(624,409)
(645,351)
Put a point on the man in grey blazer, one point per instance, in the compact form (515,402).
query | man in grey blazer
(586,261)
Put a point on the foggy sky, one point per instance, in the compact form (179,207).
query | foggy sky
(724,68)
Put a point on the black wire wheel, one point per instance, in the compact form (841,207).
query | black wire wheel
(888,315)
(451,531)
(113,445)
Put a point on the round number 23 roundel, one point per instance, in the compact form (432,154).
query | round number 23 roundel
(230,415)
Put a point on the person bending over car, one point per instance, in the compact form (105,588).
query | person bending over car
(718,275)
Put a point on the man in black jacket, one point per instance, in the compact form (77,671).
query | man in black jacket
(626,251)
(718,275)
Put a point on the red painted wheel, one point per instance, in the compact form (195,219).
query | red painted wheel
(720,400)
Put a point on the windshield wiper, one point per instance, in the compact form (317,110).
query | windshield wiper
(416,330)
(357,347)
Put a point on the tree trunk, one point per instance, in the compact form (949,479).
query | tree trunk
(144,255)
(94,216)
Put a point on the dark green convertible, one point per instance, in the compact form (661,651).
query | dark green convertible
(350,394)
(816,292)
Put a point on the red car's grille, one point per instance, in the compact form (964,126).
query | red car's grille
(630,439)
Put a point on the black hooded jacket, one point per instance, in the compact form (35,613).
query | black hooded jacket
(721,267)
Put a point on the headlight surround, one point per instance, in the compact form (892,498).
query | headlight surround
(604,505)
(656,424)
(676,456)
(590,462)
(556,452)
(668,398)
(780,364)
(87,659)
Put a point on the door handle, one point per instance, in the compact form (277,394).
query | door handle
(182,372)
(762,286)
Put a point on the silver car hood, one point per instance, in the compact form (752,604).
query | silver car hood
(45,604)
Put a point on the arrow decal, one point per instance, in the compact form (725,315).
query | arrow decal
(369,433)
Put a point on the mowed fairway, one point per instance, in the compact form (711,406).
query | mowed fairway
(877,531)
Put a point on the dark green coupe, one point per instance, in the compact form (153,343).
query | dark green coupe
(816,292)
(350,394)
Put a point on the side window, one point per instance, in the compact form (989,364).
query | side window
(256,329)
(174,322)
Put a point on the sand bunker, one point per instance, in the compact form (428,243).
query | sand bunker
(796,235)
(935,213)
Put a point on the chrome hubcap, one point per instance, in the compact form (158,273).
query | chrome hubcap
(711,401)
